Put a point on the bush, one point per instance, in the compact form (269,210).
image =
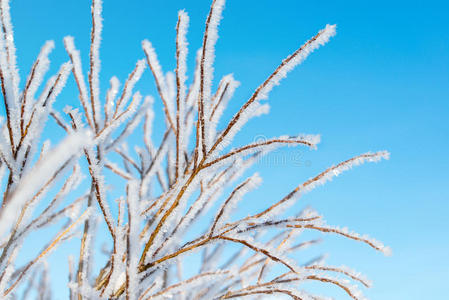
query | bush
(169,186)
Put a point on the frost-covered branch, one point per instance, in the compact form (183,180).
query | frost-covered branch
(157,192)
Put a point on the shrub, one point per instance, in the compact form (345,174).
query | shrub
(169,186)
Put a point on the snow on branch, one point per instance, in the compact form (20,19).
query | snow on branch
(287,65)
(79,78)
(158,191)
(94,58)
(321,178)
(181,68)
(30,183)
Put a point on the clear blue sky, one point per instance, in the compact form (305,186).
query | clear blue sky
(381,83)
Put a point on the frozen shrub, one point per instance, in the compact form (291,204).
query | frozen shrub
(169,186)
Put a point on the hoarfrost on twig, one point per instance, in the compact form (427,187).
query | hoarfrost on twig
(186,179)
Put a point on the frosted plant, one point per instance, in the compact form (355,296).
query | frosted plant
(169,186)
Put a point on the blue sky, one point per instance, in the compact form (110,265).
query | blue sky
(381,83)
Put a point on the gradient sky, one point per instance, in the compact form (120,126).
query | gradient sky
(381,83)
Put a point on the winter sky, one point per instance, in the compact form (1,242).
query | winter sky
(382,83)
